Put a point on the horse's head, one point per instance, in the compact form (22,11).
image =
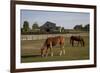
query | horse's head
(42,51)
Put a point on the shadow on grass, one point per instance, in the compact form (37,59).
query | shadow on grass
(27,56)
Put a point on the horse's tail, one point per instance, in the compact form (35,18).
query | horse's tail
(82,42)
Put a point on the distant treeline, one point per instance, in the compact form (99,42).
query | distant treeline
(51,28)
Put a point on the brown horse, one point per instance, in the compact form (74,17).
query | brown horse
(50,42)
(79,39)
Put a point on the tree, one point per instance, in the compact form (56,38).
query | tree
(21,30)
(63,29)
(86,27)
(35,26)
(25,26)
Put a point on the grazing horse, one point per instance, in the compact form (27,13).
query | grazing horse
(79,39)
(50,42)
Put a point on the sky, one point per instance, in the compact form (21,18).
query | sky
(64,19)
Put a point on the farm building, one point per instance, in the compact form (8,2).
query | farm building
(49,27)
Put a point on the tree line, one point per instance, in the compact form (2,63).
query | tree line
(36,28)
(80,27)
(26,27)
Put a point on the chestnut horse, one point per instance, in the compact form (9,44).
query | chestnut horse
(50,42)
(79,39)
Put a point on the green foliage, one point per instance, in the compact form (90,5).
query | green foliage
(50,28)
(86,27)
(25,26)
(80,27)
(35,26)
(63,29)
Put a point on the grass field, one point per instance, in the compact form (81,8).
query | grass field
(30,51)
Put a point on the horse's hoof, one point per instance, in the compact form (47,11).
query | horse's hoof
(46,56)
(60,54)
(42,56)
(51,54)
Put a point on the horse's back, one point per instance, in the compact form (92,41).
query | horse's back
(55,40)
(75,38)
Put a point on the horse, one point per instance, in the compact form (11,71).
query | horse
(79,39)
(50,42)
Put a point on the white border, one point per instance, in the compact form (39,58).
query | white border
(57,63)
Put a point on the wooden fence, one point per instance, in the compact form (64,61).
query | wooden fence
(45,36)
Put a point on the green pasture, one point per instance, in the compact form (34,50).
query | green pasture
(30,51)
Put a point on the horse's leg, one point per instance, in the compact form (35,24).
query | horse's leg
(81,42)
(78,43)
(62,50)
(42,52)
(46,52)
(72,42)
(51,49)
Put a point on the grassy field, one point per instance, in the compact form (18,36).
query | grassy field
(30,51)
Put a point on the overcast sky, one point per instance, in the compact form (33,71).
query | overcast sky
(64,19)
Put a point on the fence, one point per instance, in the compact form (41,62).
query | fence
(44,36)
